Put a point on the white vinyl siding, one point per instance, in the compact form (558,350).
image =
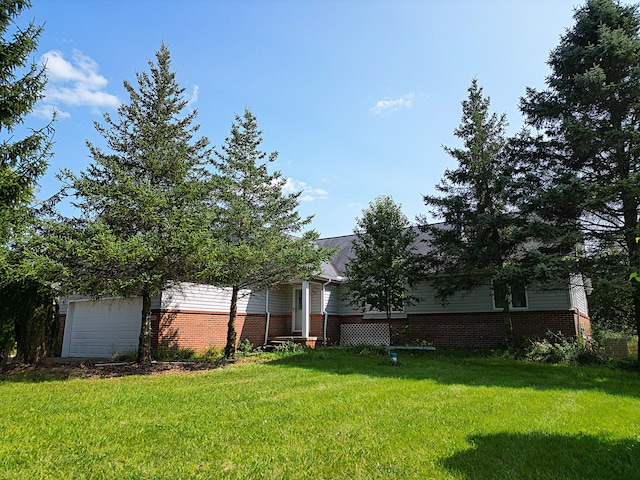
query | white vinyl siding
(332,299)
(578,294)
(542,299)
(476,300)
(479,299)
(209,298)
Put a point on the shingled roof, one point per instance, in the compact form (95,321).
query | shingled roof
(334,270)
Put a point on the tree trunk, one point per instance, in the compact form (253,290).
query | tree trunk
(35,320)
(144,342)
(630,211)
(508,321)
(230,348)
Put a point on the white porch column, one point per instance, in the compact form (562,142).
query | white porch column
(306,307)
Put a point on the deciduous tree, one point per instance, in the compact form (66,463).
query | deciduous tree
(385,266)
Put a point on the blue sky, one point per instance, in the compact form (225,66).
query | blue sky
(357,97)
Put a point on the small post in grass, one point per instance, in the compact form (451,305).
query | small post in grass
(394,358)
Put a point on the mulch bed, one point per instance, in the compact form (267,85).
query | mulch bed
(59,370)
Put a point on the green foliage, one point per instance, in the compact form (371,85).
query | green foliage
(252,243)
(212,353)
(22,161)
(385,265)
(126,356)
(289,347)
(557,348)
(244,347)
(611,304)
(169,354)
(142,202)
(26,298)
(581,157)
(481,232)
(28,319)
(370,350)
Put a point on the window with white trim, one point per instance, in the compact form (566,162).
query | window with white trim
(516,294)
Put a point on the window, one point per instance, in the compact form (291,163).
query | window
(515,292)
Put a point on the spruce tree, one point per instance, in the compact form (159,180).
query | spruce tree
(385,266)
(141,200)
(252,244)
(24,153)
(22,160)
(482,233)
(583,146)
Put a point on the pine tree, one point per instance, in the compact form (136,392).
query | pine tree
(252,244)
(385,265)
(23,160)
(482,233)
(141,201)
(583,152)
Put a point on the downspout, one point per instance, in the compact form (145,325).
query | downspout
(266,309)
(326,315)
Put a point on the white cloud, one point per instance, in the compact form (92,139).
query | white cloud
(310,194)
(388,105)
(74,82)
(193,98)
(46,112)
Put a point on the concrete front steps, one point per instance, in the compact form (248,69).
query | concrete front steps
(312,342)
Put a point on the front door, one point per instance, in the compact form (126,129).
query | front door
(297,310)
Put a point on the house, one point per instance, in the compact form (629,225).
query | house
(314,312)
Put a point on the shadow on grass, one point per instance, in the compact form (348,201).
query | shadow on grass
(541,456)
(472,370)
(73,370)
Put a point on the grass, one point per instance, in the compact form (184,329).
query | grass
(329,414)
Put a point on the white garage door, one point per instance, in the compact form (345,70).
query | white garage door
(102,328)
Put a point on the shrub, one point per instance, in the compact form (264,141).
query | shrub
(289,347)
(557,348)
(212,353)
(131,356)
(173,354)
(371,350)
(245,347)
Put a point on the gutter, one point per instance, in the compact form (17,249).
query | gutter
(266,310)
(325,313)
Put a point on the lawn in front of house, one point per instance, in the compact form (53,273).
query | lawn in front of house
(329,414)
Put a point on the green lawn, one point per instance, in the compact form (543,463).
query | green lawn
(329,414)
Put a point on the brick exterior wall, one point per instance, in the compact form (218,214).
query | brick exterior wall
(583,324)
(198,330)
(477,330)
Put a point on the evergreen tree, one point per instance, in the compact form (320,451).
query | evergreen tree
(23,160)
(385,265)
(584,152)
(141,201)
(252,244)
(482,234)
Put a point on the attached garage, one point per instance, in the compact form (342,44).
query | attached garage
(102,328)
